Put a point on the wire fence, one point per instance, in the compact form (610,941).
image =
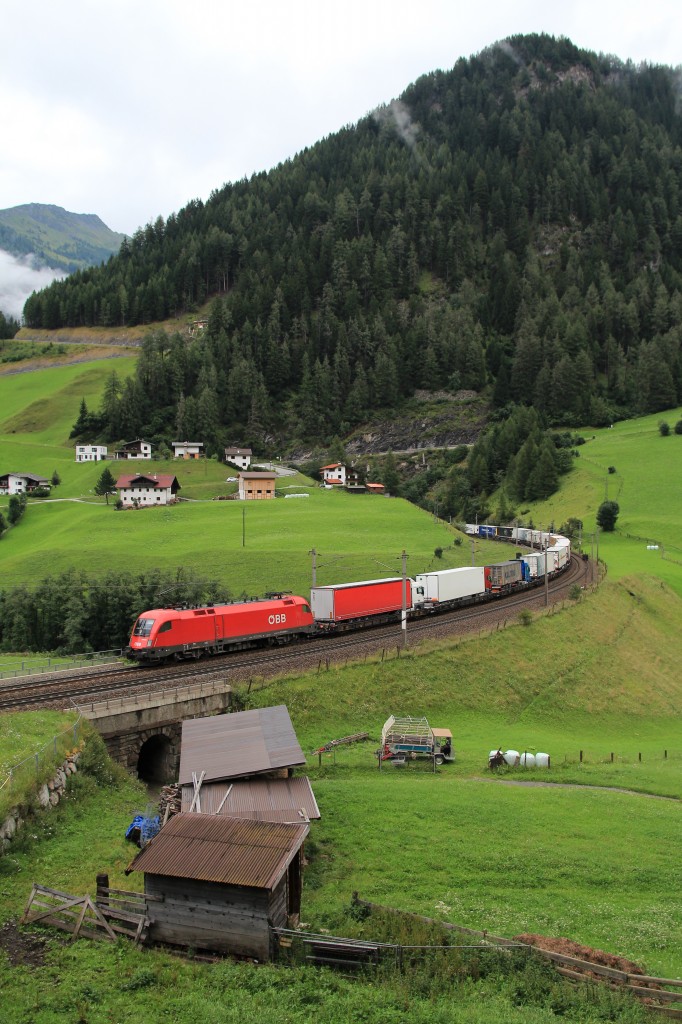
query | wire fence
(24,775)
(41,666)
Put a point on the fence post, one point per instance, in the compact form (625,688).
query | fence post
(611,757)
(581,757)
(102,897)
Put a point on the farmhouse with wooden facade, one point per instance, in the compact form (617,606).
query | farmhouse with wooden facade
(137,449)
(21,483)
(136,489)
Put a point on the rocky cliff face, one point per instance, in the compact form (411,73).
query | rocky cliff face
(432,419)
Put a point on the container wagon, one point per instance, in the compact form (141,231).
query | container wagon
(344,604)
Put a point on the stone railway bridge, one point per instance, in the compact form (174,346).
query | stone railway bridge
(143,732)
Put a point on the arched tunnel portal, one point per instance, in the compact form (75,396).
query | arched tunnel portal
(157,760)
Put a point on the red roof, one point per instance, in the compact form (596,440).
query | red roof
(376,487)
(333,465)
(155,480)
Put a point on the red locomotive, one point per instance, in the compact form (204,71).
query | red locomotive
(213,629)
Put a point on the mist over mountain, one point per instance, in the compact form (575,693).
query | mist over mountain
(19,277)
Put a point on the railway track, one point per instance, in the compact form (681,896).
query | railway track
(72,688)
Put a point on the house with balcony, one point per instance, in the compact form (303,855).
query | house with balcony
(21,483)
(137,449)
(137,489)
(334,475)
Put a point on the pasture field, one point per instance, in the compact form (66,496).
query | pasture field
(252,547)
(647,484)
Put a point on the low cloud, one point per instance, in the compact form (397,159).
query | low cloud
(18,278)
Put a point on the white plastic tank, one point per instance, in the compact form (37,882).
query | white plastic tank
(511,757)
(527,760)
(542,760)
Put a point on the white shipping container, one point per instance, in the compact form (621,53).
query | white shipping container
(449,584)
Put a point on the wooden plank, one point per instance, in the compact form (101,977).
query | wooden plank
(229,790)
(646,979)
(73,902)
(328,961)
(656,993)
(123,892)
(585,965)
(79,922)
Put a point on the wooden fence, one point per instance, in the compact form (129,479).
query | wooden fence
(114,912)
(652,990)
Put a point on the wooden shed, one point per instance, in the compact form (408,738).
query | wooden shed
(219,883)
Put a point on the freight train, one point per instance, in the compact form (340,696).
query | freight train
(183,633)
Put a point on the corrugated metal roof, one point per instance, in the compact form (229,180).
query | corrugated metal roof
(257,799)
(217,849)
(245,743)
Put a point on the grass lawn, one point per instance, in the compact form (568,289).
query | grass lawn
(647,484)
(252,548)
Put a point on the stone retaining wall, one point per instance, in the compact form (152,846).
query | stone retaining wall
(48,795)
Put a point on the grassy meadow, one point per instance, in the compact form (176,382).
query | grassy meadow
(647,484)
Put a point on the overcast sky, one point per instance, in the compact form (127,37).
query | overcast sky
(129,108)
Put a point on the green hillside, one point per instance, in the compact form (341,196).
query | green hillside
(646,484)
(56,237)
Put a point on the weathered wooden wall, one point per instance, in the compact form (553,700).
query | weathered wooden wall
(209,915)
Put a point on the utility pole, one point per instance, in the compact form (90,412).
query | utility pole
(404,610)
(592,561)
(546,570)
(313,552)
(473,551)
(244,526)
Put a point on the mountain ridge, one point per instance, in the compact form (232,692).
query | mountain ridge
(57,238)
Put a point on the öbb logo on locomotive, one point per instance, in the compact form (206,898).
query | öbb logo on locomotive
(181,632)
